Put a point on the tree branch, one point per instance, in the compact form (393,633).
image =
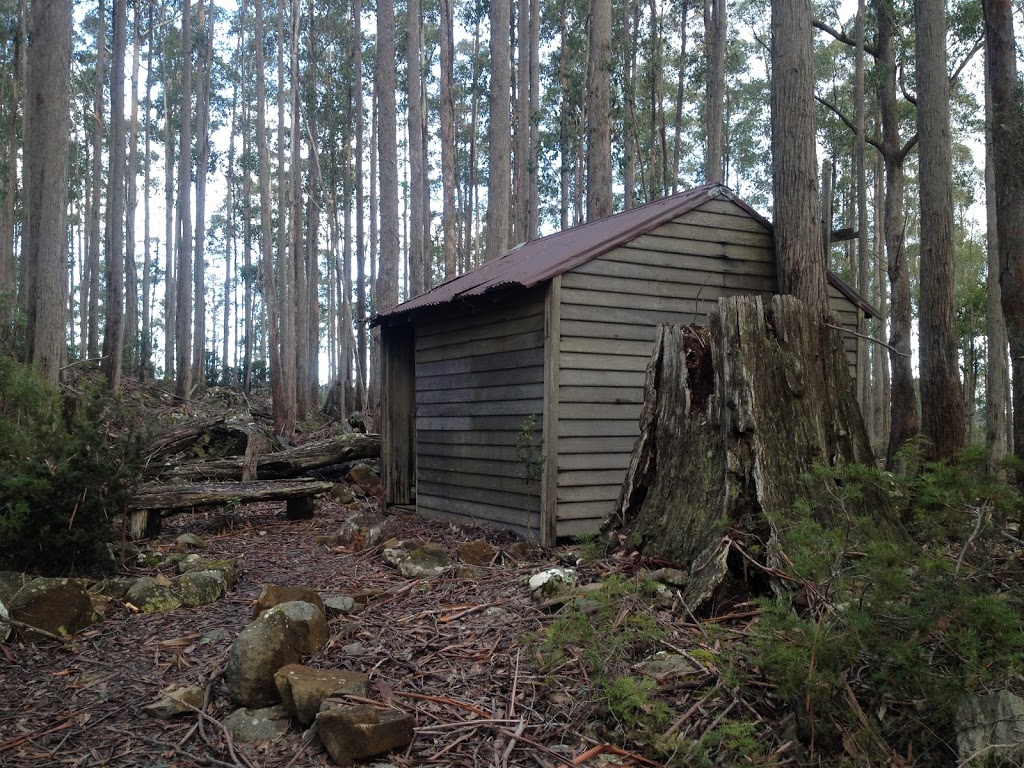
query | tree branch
(842,37)
(848,123)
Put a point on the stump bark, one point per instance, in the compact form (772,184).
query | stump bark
(735,415)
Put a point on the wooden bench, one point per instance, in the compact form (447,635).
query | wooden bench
(152,502)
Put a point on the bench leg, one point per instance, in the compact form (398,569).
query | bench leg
(300,508)
(144,524)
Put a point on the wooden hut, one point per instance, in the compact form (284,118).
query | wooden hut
(511,394)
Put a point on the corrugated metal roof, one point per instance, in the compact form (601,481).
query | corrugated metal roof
(538,261)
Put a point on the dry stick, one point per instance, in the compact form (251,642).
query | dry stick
(29,628)
(869,338)
(512,742)
(227,736)
(184,753)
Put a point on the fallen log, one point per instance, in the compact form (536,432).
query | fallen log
(151,502)
(284,464)
(734,417)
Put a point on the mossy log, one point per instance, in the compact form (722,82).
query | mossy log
(735,415)
(151,502)
(282,464)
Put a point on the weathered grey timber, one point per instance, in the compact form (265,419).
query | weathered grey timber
(150,502)
(558,333)
(734,417)
(286,463)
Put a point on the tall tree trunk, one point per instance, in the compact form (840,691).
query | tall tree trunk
(146,353)
(9,159)
(361,344)
(533,170)
(93,341)
(113,332)
(418,259)
(170,244)
(203,96)
(1007,128)
(131,293)
(903,414)
(861,182)
(183,319)
(599,134)
(499,133)
(680,93)
(230,249)
(298,329)
(942,401)
(449,179)
(47,134)
(801,262)
(521,177)
(267,243)
(715,29)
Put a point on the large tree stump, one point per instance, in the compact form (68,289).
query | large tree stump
(734,417)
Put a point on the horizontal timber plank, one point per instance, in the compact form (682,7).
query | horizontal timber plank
(645,276)
(570,462)
(584,510)
(696,305)
(604,362)
(599,411)
(724,206)
(486,408)
(469,479)
(524,522)
(762,239)
(717,249)
(468,440)
(478,363)
(573,528)
(629,254)
(509,343)
(516,501)
(625,315)
(470,423)
(611,395)
(582,446)
(477,332)
(591,477)
(606,346)
(163,496)
(590,428)
(587,378)
(496,467)
(595,330)
(530,374)
(513,306)
(481,394)
(607,493)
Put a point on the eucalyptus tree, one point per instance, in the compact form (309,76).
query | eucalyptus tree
(499,132)
(183,219)
(599,134)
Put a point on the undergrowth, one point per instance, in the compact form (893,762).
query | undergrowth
(66,470)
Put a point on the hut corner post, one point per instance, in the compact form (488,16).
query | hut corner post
(398,433)
(552,352)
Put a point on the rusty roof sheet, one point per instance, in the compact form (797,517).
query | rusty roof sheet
(538,261)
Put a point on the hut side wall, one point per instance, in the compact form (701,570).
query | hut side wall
(610,308)
(478,380)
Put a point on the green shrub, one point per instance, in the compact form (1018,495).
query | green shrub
(882,635)
(64,479)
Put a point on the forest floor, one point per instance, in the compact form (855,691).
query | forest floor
(472,677)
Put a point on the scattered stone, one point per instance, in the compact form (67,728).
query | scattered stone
(342,494)
(11,582)
(228,567)
(197,588)
(248,726)
(667,665)
(113,587)
(5,627)
(992,723)
(553,583)
(151,596)
(418,560)
(357,732)
(469,573)
(56,606)
(215,636)
(187,541)
(524,550)
(365,478)
(188,563)
(175,701)
(303,689)
(353,649)
(477,552)
(279,636)
(360,532)
(125,552)
(341,605)
(275,594)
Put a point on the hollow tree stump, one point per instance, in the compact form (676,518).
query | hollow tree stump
(734,416)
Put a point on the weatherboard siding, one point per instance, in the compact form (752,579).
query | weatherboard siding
(478,379)
(610,310)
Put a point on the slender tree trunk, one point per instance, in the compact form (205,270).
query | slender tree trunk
(113,332)
(9,161)
(418,267)
(146,353)
(47,134)
(183,319)
(203,95)
(298,330)
(1007,129)
(533,170)
(132,347)
(449,178)
(680,92)
(230,251)
(599,135)
(170,244)
(881,365)
(861,182)
(800,258)
(715,30)
(521,177)
(942,401)
(499,133)
(93,341)
(361,343)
